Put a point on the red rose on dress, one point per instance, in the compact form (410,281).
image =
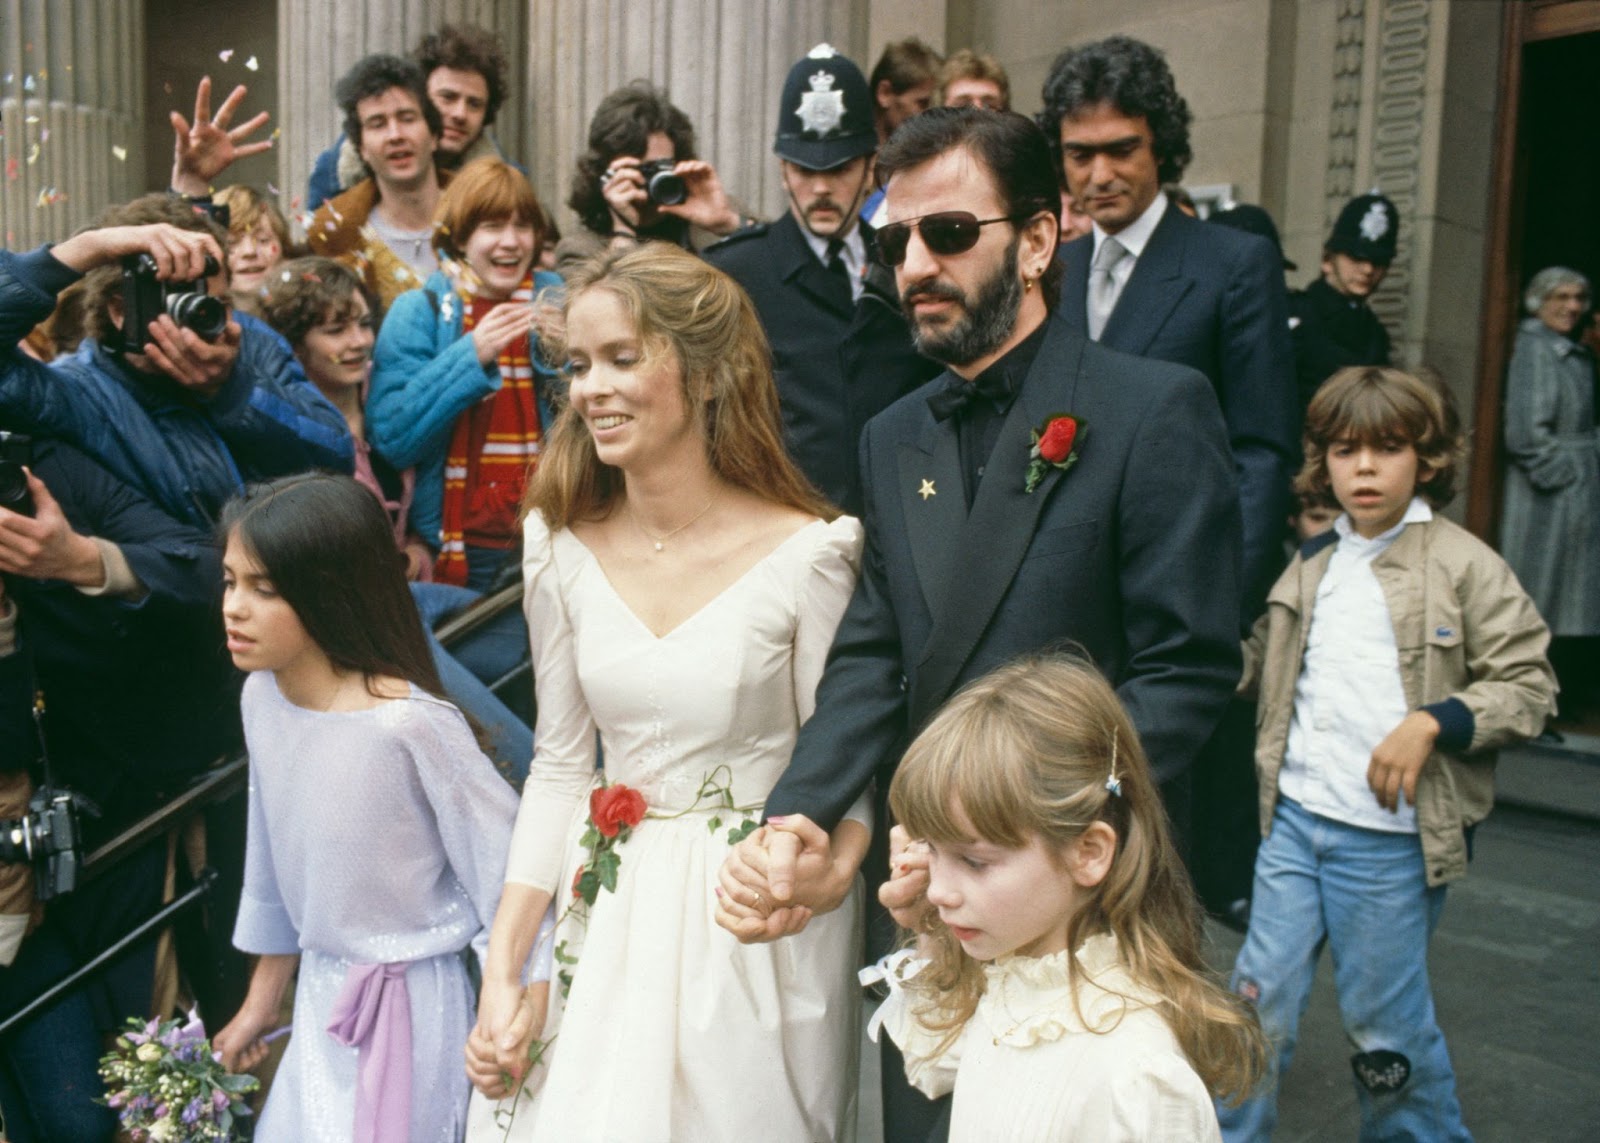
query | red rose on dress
(577,877)
(612,807)
(1056,443)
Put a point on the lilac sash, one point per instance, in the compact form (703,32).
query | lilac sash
(373,1013)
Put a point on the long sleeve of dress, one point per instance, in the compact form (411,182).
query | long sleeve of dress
(471,802)
(564,738)
(263,925)
(824,594)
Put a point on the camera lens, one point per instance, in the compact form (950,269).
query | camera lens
(206,315)
(14,488)
(667,189)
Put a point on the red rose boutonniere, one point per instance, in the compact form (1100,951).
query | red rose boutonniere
(1054,446)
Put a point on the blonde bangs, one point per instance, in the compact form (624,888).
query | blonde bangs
(965,779)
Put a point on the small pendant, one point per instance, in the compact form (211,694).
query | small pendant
(659,546)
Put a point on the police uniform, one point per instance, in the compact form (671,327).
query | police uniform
(1331,331)
(840,347)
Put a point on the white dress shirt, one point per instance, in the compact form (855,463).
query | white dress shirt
(1349,695)
(1134,238)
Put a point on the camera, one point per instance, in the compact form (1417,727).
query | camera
(16,450)
(145,298)
(663,187)
(48,838)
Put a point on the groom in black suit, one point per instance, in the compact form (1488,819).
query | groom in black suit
(1132,552)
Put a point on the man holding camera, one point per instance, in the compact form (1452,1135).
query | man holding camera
(109,610)
(184,416)
(840,347)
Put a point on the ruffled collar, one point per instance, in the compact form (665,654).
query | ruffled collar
(1028,1000)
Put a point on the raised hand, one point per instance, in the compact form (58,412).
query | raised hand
(204,149)
(499,328)
(905,894)
(707,205)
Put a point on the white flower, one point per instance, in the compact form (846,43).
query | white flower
(165,1131)
(148,1052)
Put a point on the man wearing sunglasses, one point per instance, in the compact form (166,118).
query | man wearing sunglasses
(983,543)
(840,348)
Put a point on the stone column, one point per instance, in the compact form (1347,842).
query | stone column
(722,61)
(71,88)
(319,41)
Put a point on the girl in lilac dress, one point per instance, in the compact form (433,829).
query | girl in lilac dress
(378,830)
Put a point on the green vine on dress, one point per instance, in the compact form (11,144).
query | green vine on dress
(615,810)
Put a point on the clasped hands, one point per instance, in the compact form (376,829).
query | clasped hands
(786,872)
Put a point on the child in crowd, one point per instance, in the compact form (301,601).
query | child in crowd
(1397,653)
(322,309)
(1063,994)
(258,240)
(378,831)
(1315,515)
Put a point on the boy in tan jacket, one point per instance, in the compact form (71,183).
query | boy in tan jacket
(1398,652)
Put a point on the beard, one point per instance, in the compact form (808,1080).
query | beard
(986,320)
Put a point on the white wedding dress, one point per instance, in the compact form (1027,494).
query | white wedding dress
(673,1030)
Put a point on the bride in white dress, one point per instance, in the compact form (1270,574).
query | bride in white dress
(683,583)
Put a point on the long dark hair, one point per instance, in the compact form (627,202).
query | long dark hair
(326,544)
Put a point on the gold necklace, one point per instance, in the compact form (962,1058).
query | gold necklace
(661,541)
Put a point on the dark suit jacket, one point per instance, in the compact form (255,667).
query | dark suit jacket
(1214,299)
(837,363)
(1132,553)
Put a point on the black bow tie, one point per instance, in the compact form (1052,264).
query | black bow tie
(991,385)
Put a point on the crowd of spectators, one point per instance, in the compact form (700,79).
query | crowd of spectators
(189,344)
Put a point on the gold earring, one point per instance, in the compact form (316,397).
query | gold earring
(1027,285)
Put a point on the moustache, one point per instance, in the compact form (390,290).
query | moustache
(824,204)
(934,291)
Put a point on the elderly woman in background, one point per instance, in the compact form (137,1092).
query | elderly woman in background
(258,239)
(1550,530)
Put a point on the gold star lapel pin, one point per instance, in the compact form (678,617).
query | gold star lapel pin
(927,489)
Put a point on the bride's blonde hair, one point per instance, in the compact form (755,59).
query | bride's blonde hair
(1042,748)
(696,316)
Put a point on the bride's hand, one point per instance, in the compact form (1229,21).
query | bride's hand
(744,900)
(509,1017)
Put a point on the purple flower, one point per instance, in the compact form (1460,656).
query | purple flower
(219,1099)
(192,1113)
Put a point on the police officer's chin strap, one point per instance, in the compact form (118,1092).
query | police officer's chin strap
(855,205)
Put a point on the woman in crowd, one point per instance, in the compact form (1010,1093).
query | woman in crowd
(258,239)
(322,309)
(457,388)
(634,127)
(1550,529)
(683,586)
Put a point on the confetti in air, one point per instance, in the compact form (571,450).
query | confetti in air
(120,152)
(13,169)
(33,155)
(27,83)
(31,119)
(252,64)
(273,191)
(44,135)
(225,54)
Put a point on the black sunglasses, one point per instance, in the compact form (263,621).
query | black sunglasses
(943,232)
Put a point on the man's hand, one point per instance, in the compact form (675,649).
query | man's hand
(1399,759)
(745,905)
(189,359)
(905,894)
(180,255)
(44,546)
(204,150)
(785,873)
(707,205)
(499,328)
(622,186)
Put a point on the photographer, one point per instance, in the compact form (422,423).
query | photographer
(638,141)
(109,608)
(186,416)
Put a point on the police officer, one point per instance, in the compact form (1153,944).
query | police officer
(1331,324)
(841,351)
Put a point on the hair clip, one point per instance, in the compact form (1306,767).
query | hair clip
(1114,783)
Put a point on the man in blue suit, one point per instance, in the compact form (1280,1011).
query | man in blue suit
(1151,281)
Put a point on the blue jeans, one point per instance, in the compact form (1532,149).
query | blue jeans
(1365,894)
(488,654)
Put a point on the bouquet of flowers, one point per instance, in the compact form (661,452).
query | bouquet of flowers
(168,1086)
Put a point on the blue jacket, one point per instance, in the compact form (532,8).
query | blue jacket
(425,374)
(187,454)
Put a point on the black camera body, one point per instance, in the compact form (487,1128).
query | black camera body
(663,187)
(146,297)
(49,838)
(16,450)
